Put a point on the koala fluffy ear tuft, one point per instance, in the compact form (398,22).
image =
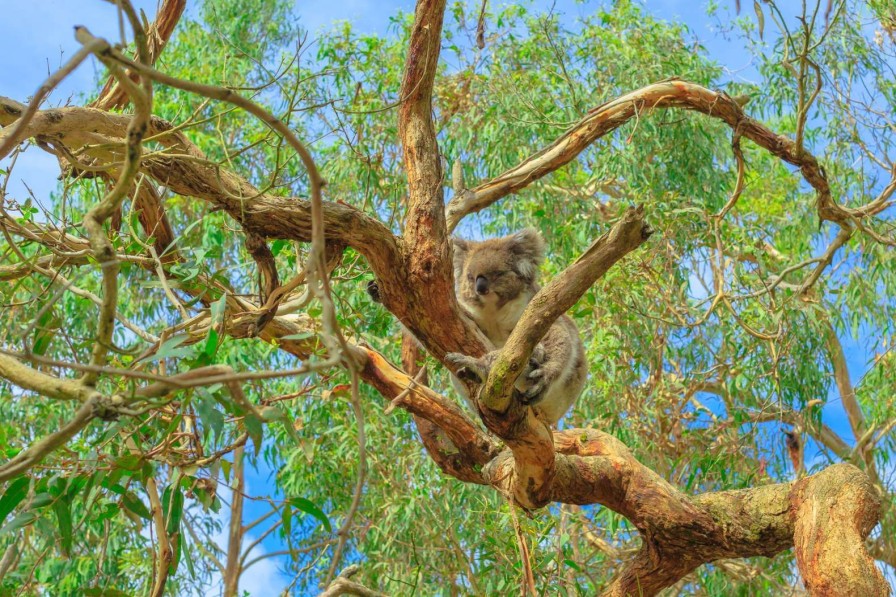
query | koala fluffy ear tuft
(460,248)
(529,246)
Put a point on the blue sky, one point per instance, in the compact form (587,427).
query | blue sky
(30,56)
(36,37)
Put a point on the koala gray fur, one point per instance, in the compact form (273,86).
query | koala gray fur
(494,280)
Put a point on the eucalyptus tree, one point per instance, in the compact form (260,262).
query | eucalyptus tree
(246,266)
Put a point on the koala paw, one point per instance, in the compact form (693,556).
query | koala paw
(373,290)
(534,393)
(469,369)
(531,383)
(538,356)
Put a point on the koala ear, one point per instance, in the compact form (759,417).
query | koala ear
(460,249)
(528,245)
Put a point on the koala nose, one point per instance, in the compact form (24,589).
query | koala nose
(481,285)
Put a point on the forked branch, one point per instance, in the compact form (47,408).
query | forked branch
(529,438)
(613,114)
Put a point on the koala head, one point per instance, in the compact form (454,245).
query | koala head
(497,270)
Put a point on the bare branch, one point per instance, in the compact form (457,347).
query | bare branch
(610,116)
(45,385)
(159,32)
(9,138)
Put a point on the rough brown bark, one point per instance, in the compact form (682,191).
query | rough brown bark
(833,513)
(428,278)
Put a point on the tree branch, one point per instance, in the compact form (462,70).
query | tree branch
(834,511)
(45,385)
(680,533)
(112,95)
(508,419)
(613,114)
(425,221)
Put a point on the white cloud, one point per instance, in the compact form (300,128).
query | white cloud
(264,578)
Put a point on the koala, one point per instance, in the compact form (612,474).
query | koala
(494,280)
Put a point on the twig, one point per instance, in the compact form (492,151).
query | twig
(9,138)
(343,532)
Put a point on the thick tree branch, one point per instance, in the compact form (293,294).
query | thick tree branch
(184,169)
(427,269)
(680,533)
(610,116)
(425,220)
(834,511)
(454,441)
(526,436)
(423,402)
(46,385)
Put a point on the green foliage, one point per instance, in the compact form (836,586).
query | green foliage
(677,376)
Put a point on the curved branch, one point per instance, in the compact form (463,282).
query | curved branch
(457,445)
(610,116)
(419,400)
(42,448)
(112,95)
(834,512)
(680,532)
(185,170)
(46,385)
(529,439)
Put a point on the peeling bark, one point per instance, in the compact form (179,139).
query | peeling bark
(833,513)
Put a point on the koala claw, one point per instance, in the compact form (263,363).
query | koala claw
(533,394)
(469,368)
(456,358)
